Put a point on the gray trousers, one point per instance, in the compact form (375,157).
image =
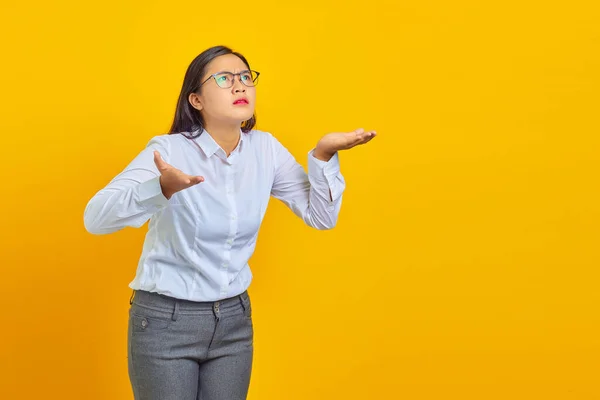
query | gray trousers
(185,350)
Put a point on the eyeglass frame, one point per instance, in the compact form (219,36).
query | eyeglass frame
(234,75)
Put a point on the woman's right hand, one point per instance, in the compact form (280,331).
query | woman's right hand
(173,180)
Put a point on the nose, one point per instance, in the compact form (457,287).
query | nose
(238,86)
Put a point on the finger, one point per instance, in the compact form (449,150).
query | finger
(197,179)
(357,136)
(160,163)
(194,180)
(368,140)
(371,135)
(359,140)
(368,133)
(368,136)
(359,131)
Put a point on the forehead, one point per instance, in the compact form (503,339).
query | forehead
(227,62)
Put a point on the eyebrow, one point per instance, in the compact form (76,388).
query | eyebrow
(222,72)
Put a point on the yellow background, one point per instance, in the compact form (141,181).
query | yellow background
(465,261)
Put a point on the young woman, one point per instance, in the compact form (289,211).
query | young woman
(205,188)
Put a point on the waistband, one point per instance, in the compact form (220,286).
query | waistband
(161,301)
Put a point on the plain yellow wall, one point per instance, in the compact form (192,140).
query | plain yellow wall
(465,261)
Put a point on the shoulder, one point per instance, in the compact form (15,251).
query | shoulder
(256,135)
(269,147)
(168,143)
(165,140)
(262,139)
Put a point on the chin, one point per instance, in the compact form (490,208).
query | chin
(241,117)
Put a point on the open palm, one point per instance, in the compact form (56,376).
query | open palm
(333,142)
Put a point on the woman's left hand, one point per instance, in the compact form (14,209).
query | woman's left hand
(333,142)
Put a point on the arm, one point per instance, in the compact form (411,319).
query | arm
(132,197)
(315,197)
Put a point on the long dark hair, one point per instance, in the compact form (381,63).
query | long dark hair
(187,118)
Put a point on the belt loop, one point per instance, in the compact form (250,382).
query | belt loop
(175,311)
(131,298)
(242,302)
(245,300)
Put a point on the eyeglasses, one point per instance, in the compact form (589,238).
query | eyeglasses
(225,80)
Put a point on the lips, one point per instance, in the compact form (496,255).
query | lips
(241,101)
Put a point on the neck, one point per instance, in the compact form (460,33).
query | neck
(226,136)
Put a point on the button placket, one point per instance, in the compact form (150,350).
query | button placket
(233,225)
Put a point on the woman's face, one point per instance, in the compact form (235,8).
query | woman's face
(220,105)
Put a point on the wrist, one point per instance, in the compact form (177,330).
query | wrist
(319,154)
(164,190)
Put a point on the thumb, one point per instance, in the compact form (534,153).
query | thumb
(160,163)
(194,180)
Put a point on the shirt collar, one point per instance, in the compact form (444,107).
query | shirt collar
(210,147)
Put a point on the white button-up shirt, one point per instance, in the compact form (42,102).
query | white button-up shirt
(199,241)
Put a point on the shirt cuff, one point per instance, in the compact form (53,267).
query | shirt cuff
(326,176)
(150,193)
(321,170)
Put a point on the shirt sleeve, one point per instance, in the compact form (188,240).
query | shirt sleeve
(315,197)
(130,198)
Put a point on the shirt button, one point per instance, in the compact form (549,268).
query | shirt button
(144,323)
(229,241)
(233,217)
(224,265)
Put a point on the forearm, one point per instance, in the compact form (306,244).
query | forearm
(123,204)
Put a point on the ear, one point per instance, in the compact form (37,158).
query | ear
(195,101)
